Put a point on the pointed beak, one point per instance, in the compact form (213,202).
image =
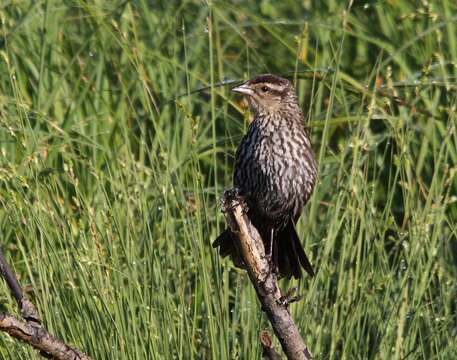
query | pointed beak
(243,89)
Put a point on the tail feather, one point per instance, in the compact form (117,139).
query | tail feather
(290,265)
(289,252)
(304,261)
(289,241)
(225,242)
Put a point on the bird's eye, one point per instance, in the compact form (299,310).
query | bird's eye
(264,88)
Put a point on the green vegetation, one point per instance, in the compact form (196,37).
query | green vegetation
(109,181)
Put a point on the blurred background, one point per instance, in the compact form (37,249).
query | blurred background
(117,140)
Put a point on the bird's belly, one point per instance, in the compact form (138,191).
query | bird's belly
(280,188)
(288,196)
(276,175)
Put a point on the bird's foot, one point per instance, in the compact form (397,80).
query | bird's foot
(231,199)
(290,297)
(273,267)
(271,250)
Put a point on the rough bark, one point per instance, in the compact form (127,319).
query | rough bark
(251,248)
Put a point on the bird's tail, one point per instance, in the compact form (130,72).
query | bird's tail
(291,255)
(226,245)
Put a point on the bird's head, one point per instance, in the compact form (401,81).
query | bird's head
(268,93)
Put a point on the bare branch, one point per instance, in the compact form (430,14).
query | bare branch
(37,336)
(31,331)
(251,248)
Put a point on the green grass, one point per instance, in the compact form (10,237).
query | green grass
(109,182)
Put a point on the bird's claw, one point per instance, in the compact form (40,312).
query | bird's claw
(231,199)
(271,264)
(290,297)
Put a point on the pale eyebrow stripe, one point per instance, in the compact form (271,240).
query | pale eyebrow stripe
(274,86)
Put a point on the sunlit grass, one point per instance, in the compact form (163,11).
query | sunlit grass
(109,183)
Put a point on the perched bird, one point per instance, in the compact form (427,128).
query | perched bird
(275,171)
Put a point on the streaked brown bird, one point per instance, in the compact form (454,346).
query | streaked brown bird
(275,171)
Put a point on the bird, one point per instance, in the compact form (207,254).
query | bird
(275,172)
